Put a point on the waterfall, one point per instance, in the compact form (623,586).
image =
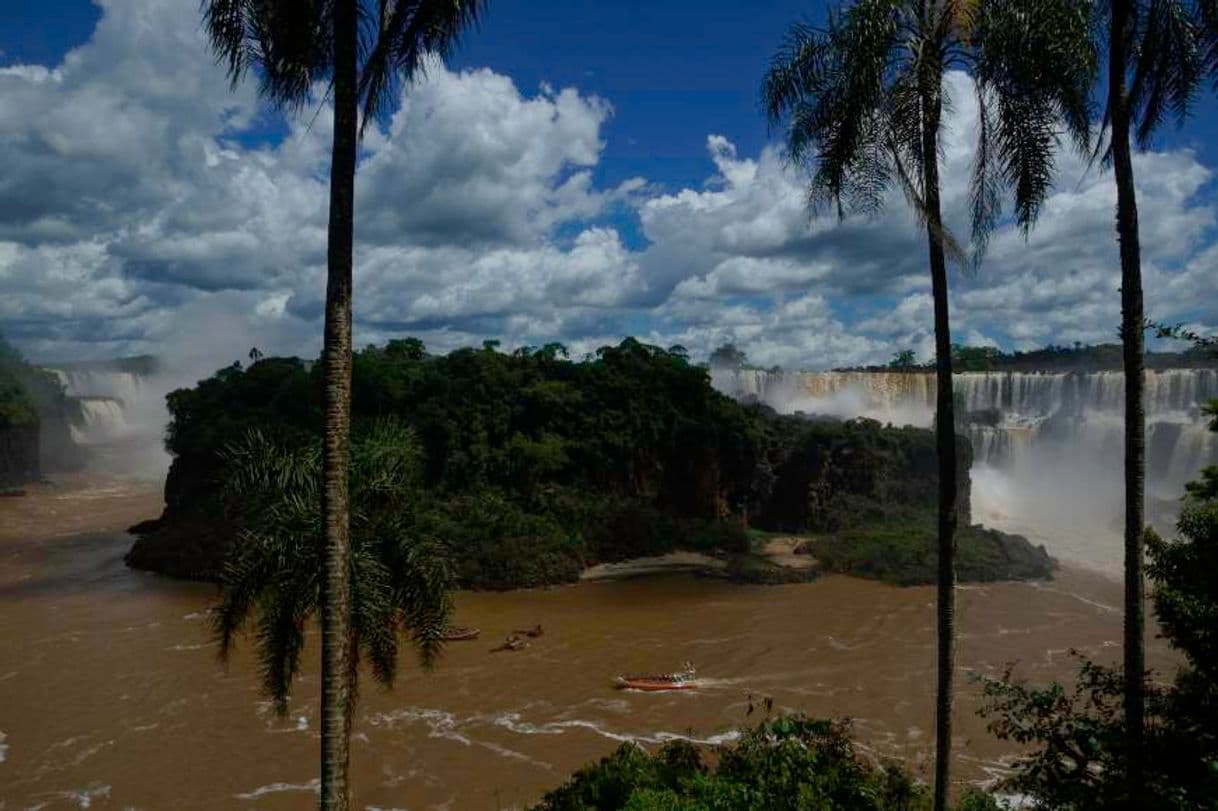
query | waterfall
(120,414)
(1048,447)
(89,382)
(102,420)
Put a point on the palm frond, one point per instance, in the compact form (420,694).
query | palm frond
(985,190)
(830,85)
(917,202)
(1207,28)
(227,29)
(795,70)
(280,642)
(1168,65)
(398,584)
(1035,67)
(403,35)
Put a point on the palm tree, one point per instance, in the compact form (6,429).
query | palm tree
(273,577)
(1159,53)
(363,48)
(862,98)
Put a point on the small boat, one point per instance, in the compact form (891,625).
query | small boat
(684,679)
(513,642)
(458,634)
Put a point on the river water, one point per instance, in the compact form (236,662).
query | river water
(111,695)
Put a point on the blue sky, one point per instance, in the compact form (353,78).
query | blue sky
(673,70)
(645,195)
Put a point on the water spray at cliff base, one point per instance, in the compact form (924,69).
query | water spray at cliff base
(1047,446)
(122,411)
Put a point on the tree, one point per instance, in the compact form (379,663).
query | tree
(408,348)
(905,359)
(399,583)
(1159,52)
(862,98)
(728,357)
(362,48)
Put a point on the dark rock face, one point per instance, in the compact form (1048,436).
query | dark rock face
(19,455)
(191,550)
(824,470)
(191,539)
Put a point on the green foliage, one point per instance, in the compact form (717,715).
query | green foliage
(974,358)
(1185,572)
(27,393)
(857,94)
(905,359)
(727,356)
(786,764)
(399,579)
(497,545)
(899,545)
(535,466)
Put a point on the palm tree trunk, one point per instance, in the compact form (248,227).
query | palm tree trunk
(1132,331)
(945,435)
(335,506)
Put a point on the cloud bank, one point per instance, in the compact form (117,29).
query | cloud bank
(144,205)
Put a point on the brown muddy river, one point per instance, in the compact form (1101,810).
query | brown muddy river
(111,695)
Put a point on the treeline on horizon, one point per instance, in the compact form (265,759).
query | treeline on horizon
(534,466)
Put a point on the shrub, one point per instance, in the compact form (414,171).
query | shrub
(787,764)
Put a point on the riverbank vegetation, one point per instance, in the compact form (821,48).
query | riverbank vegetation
(787,763)
(534,466)
(35,420)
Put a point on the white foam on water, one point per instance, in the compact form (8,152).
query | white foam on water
(82,798)
(445,725)
(313,785)
(1108,609)
(441,724)
(3,747)
(197,646)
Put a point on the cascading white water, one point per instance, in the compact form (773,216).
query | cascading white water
(1047,446)
(125,387)
(122,416)
(102,420)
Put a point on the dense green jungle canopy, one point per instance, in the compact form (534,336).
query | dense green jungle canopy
(536,466)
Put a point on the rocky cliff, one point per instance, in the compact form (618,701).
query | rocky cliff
(19,455)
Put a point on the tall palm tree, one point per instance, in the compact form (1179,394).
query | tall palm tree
(273,577)
(362,48)
(863,97)
(1159,53)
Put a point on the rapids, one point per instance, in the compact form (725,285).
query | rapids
(111,695)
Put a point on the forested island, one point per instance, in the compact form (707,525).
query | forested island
(532,467)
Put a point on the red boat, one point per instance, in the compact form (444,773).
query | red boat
(682,680)
(459,634)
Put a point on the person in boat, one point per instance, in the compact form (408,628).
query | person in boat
(533,632)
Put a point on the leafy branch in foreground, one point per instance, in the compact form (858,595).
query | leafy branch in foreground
(399,582)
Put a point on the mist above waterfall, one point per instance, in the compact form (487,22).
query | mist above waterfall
(1047,446)
(123,415)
